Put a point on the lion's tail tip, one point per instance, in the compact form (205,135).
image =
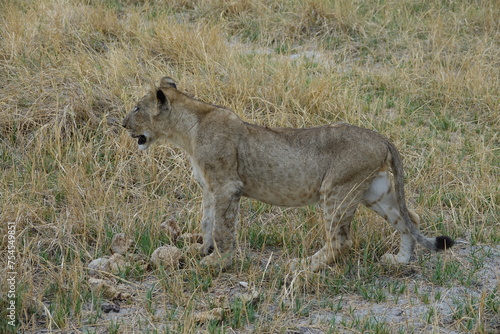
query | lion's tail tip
(444,242)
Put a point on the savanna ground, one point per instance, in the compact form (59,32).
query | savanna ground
(424,73)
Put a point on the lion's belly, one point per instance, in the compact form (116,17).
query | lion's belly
(286,199)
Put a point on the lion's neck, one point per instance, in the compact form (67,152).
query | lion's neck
(183,125)
(181,131)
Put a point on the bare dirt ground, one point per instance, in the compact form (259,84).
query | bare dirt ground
(406,299)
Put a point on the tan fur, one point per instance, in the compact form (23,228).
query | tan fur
(336,166)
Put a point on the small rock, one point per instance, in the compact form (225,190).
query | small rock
(112,265)
(98,265)
(251,297)
(215,314)
(108,290)
(194,250)
(191,238)
(108,307)
(166,256)
(121,243)
(171,228)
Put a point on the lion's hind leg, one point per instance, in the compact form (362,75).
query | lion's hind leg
(381,198)
(339,211)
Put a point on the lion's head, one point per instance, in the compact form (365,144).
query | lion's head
(142,122)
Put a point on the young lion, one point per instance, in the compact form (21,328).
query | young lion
(337,166)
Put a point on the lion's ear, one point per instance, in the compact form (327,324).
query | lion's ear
(161,97)
(163,102)
(167,82)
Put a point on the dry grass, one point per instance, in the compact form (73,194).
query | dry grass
(424,73)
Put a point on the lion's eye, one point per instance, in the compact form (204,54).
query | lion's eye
(136,109)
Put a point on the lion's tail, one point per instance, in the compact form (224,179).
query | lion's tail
(435,244)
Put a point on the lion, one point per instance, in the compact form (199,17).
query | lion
(337,166)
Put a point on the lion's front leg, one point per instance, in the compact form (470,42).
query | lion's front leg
(223,236)
(207,222)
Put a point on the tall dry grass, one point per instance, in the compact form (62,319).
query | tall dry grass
(424,73)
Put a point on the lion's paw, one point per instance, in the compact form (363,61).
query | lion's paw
(394,259)
(217,261)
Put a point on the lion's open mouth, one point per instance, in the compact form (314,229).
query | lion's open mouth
(141,140)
